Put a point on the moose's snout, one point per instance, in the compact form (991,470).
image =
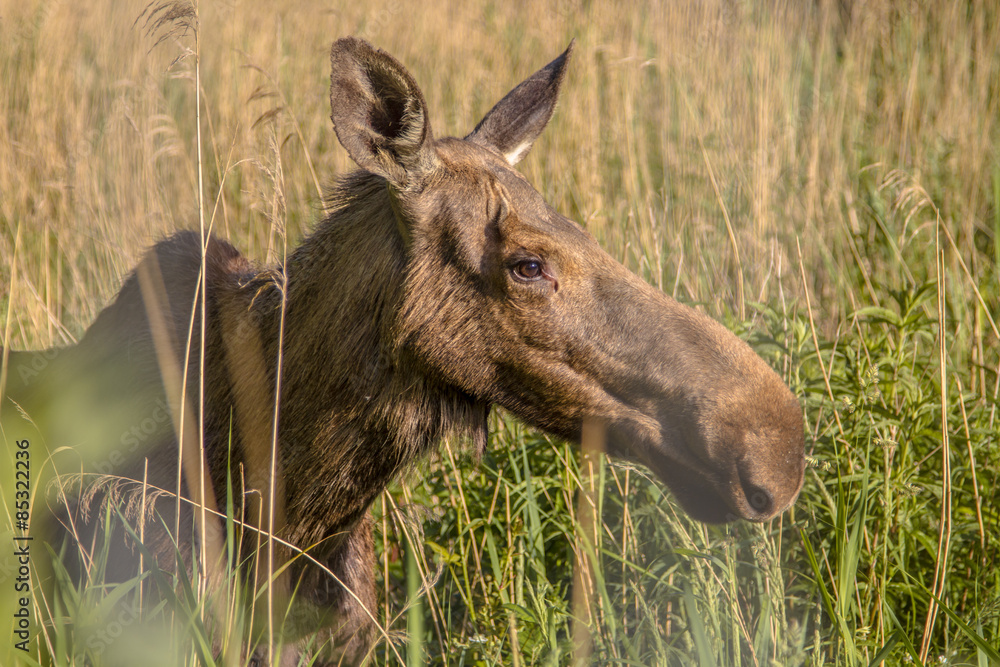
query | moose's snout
(730,442)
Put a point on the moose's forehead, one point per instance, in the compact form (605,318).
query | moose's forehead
(482,168)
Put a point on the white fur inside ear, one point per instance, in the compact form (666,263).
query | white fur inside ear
(514,156)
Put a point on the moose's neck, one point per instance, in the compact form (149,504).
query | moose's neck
(354,409)
(343,285)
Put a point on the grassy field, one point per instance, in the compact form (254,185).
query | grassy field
(822,179)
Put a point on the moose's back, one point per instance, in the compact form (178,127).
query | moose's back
(101,408)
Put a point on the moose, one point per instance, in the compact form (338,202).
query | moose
(439,285)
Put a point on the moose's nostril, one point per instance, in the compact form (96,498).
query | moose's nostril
(760,500)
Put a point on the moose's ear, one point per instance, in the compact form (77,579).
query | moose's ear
(379,113)
(512,126)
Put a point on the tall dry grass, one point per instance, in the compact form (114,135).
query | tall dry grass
(676,117)
(809,157)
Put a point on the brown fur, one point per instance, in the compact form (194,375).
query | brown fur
(409,311)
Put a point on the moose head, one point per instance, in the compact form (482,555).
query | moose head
(514,304)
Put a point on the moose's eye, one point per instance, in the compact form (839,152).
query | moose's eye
(529,269)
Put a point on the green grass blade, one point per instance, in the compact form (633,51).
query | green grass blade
(703,646)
